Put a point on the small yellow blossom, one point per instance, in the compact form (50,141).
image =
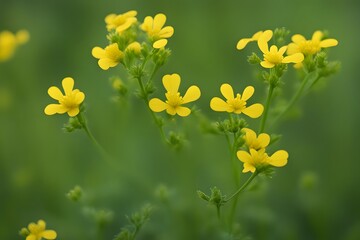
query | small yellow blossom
(154,28)
(244,41)
(236,104)
(254,142)
(9,42)
(108,57)
(309,47)
(38,231)
(68,103)
(134,46)
(257,160)
(120,22)
(275,56)
(174,102)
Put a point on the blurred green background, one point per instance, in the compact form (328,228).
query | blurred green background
(316,196)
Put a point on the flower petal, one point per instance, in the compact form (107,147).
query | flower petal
(166,32)
(79,97)
(131,13)
(55,93)
(31,237)
(294,58)
(264,39)
(267,64)
(41,224)
(106,63)
(192,94)
(248,168)
(159,21)
(219,105)
(51,109)
(282,50)
(317,36)
(227,91)
(297,38)
(183,111)
(98,52)
(279,158)
(171,83)
(243,42)
(292,48)
(73,111)
(148,24)
(157,105)
(264,140)
(328,43)
(160,43)
(49,234)
(68,85)
(254,111)
(244,156)
(247,93)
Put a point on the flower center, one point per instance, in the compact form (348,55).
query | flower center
(273,57)
(119,20)
(309,47)
(174,100)
(236,105)
(69,101)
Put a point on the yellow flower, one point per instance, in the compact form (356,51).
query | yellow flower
(236,104)
(154,28)
(310,47)
(108,57)
(134,46)
(120,22)
(173,102)
(254,142)
(257,160)
(38,232)
(244,41)
(9,42)
(275,56)
(68,103)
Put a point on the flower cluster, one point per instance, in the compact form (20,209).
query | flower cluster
(256,158)
(125,35)
(10,41)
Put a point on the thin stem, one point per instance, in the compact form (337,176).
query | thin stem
(145,96)
(243,187)
(266,108)
(296,97)
(83,123)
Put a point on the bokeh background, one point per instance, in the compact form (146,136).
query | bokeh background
(316,196)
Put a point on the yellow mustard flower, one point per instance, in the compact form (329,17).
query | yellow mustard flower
(258,160)
(154,28)
(68,103)
(255,142)
(120,22)
(108,57)
(38,231)
(309,47)
(275,56)
(244,41)
(9,42)
(174,102)
(134,46)
(236,104)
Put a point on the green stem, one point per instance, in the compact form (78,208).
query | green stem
(296,97)
(266,108)
(243,187)
(145,96)
(83,123)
